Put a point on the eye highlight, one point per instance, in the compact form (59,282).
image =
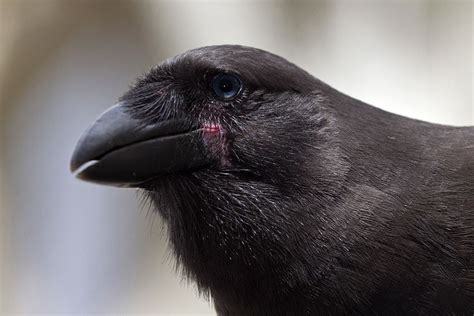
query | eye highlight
(226,85)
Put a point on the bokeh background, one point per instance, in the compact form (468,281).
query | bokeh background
(72,247)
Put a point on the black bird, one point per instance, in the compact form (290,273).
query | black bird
(284,196)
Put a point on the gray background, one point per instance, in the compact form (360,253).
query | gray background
(73,247)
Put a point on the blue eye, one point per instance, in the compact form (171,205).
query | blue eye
(226,86)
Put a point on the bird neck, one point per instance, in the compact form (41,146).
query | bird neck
(233,238)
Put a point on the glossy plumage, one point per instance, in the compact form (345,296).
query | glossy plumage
(315,203)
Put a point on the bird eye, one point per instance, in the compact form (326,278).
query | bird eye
(226,85)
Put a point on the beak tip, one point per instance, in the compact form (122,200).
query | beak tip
(73,163)
(76,161)
(80,160)
(72,168)
(82,170)
(86,150)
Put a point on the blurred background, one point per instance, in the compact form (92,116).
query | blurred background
(72,247)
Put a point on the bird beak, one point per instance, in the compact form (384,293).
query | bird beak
(120,150)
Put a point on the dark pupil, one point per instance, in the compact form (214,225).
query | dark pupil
(225,85)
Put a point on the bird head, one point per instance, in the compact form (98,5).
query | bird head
(232,110)
(237,149)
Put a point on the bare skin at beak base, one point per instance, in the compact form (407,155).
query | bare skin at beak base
(120,150)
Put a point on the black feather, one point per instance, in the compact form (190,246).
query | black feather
(317,203)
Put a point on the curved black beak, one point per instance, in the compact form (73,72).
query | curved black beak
(123,151)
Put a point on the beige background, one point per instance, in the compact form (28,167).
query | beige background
(72,247)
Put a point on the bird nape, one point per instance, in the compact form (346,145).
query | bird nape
(283,196)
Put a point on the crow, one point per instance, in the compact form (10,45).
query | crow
(283,196)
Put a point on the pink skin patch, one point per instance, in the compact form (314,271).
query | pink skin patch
(214,137)
(211,128)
